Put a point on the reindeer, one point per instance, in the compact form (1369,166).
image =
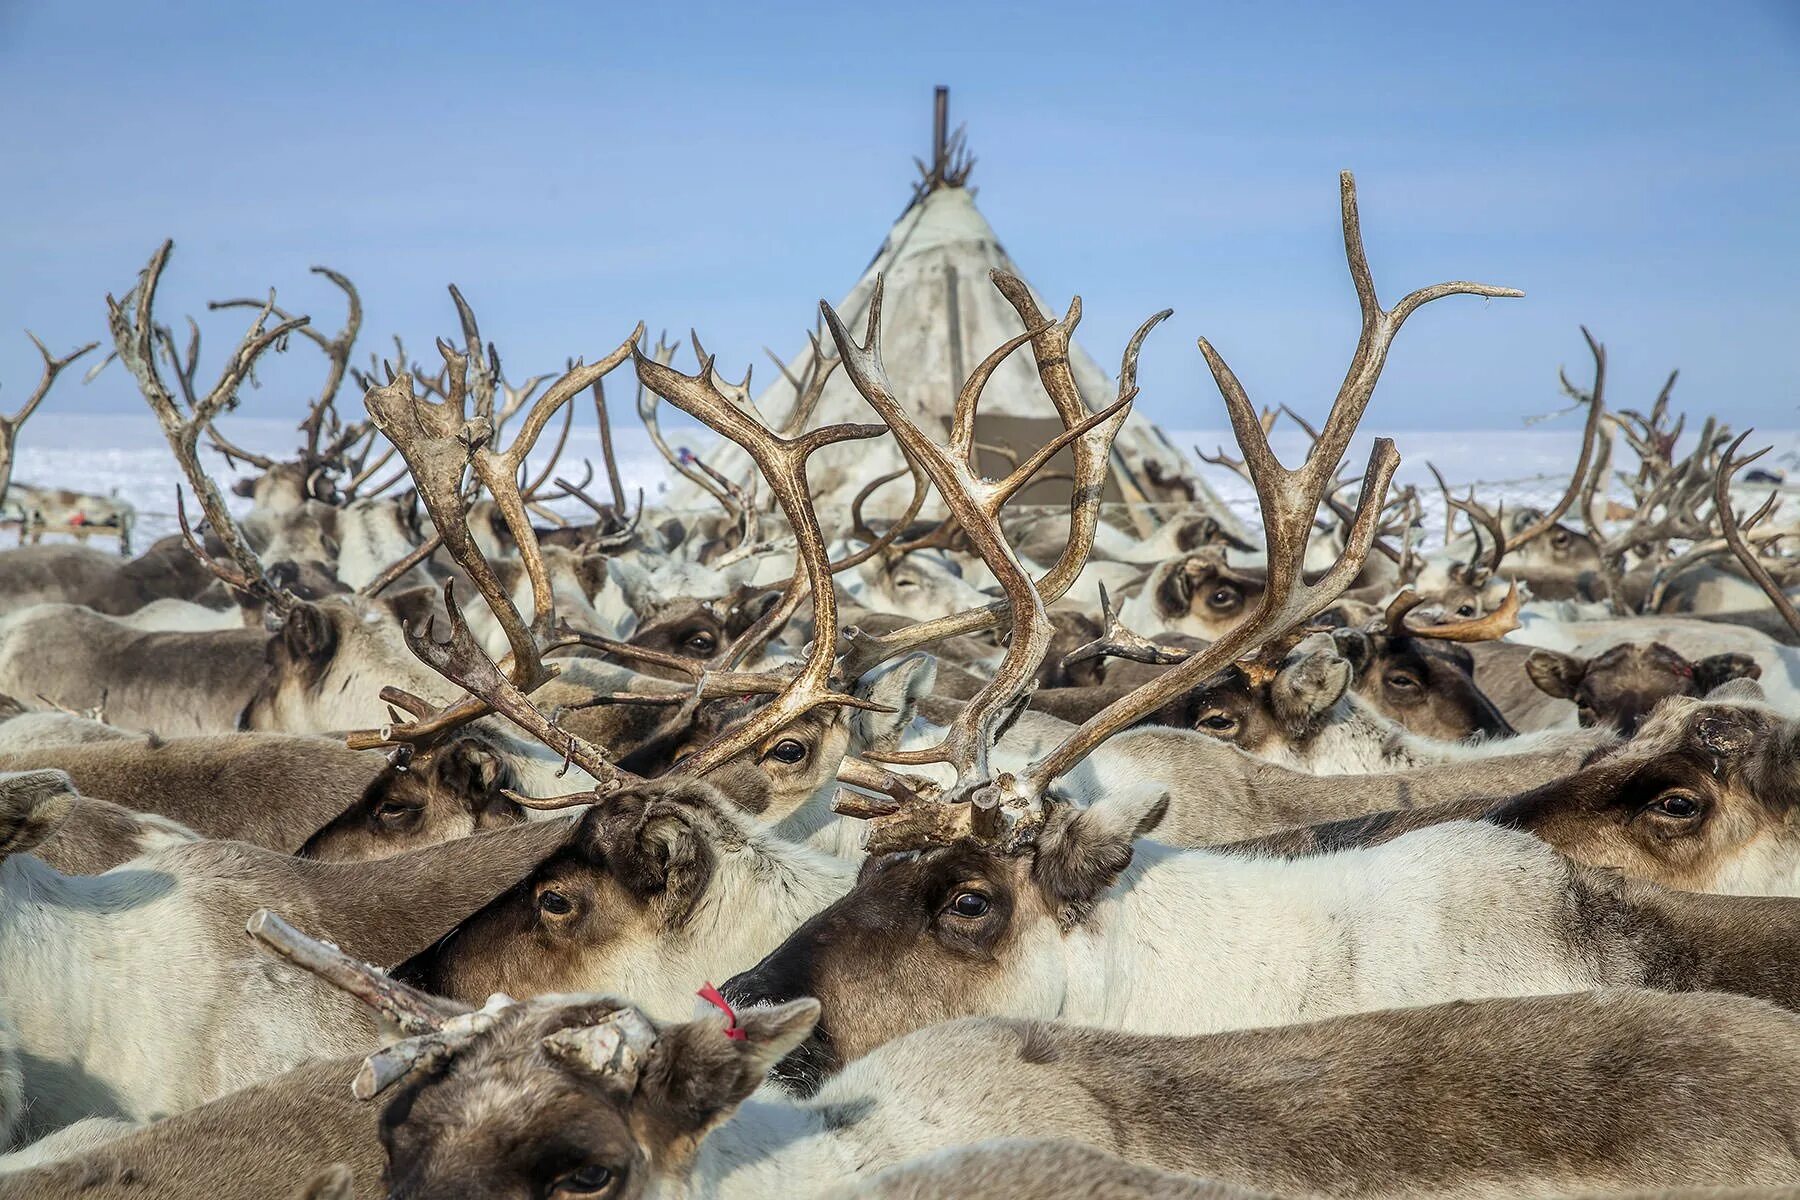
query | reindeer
(1004,875)
(78,575)
(113,1021)
(298,795)
(603,1076)
(1621,686)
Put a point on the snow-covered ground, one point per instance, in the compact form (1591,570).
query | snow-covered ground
(125,455)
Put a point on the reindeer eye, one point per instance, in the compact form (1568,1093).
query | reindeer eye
(970,904)
(1682,806)
(394,812)
(555,903)
(701,643)
(1401,681)
(1224,597)
(1219,722)
(905,581)
(788,750)
(1465,610)
(588,1181)
(1560,538)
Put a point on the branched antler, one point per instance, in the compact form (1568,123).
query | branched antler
(1119,641)
(782,461)
(134,334)
(1091,447)
(9,426)
(1730,464)
(1288,499)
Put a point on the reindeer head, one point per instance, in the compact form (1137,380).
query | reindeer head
(1621,686)
(1423,678)
(1703,798)
(1198,594)
(656,885)
(562,1097)
(950,928)
(452,790)
(1261,705)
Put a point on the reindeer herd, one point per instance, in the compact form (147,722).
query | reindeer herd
(389,838)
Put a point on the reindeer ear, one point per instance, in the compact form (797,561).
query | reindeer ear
(1082,851)
(1356,647)
(698,1074)
(472,768)
(1744,687)
(414,606)
(1308,687)
(898,685)
(245,487)
(1715,670)
(307,634)
(32,805)
(592,571)
(634,584)
(1555,673)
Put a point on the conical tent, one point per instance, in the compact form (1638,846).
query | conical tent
(941,315)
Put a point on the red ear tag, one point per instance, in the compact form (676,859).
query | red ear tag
(711,995)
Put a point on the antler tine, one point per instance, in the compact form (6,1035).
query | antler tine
(975,502)
(1490,627)
(133,329)
(606,447)
(473,371)
(1091,449)
(9,426)
(1221,459)
(647,404)
(1118,641)
(414,1011)
(808,392)
(337,352)
(515,398)
(1481,519)
(782,462)
(1730,464)
(1289,499)
(1596,404)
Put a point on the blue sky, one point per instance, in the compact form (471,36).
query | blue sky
(1634,166)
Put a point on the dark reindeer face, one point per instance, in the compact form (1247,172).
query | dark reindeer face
(526,1114)
(1427,686)
(1260,710)
(700,629)
(454,791)
(601,910)
(953,931)
(1623,685)
(1702,799)
(1201,595)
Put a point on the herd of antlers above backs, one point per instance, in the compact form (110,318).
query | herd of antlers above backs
(447,428)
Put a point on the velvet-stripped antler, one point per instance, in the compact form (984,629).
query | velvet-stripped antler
(9,426)
(134,331)
(1288,499)
(782,461)
(1730,464)
(1091,449)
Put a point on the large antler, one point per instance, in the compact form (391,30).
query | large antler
(1595,399)
(1730,464)
(782,461)
(975,503)
(1091,447)
(1289,499)
(9,426)
(321,418)
(134,334)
